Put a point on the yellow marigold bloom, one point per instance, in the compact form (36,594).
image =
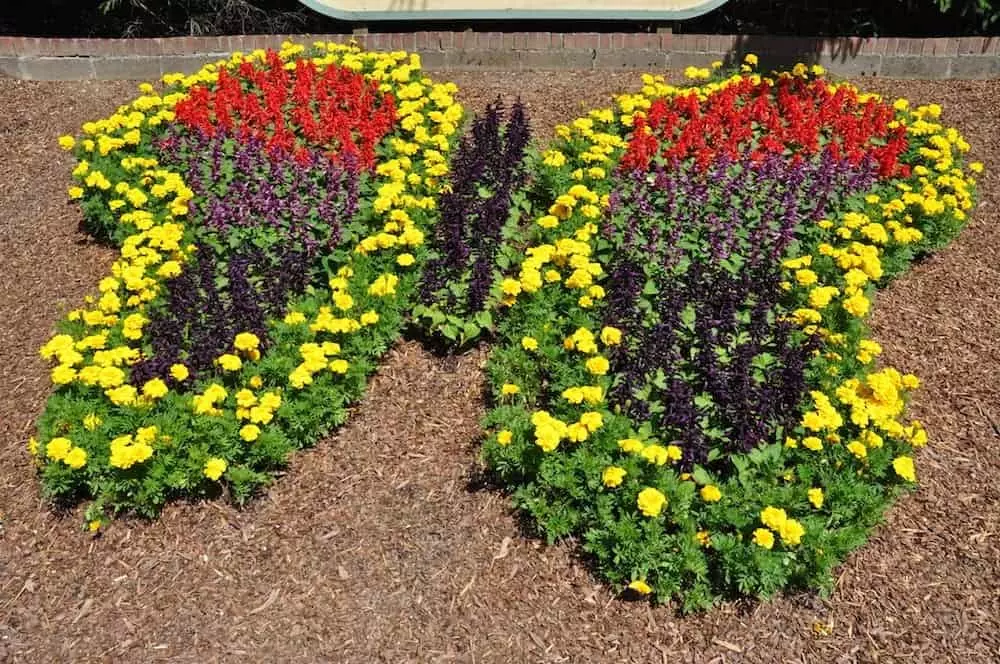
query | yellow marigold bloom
(613,476)
(505,436)
(630,445)
(91,422)
(63,374)
(750,59)
(791,532)
(179,372)
(339,366)
(75,192)
(821,296)
(764,538)
(529,343)
(640,587)
(857,305)
(509,388)
(651,502)
(510,287)
(76,458)
(598,365)
(384,285)
(58,448)
(858,449)
(250,432)
(122,396)
(655,454)
(155,388)
(548,221)
(773,517)
(816,497)
(214,468)
(229,362)
(246,341)
(806,277)
(611,336)
(976,167)
(592,421)
(904,468)
(711,493)
(405,260)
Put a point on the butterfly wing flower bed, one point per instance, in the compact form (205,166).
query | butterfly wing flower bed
(675,291)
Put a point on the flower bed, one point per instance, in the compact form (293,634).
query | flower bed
(684,379)
(270,211)
(677,290)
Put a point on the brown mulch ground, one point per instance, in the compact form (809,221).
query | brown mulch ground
(373,548)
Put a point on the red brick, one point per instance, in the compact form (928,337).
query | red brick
(539,41)
(684,43)
(666,41)
(618,40)
(460,38)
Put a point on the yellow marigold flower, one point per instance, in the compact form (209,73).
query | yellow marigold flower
(611,336)
(812,443)
(384,285)
(250,432)
(509,388)
(91,422)
(33,446)
(703,538)
(529,343)
(750,59)
(505,436)
(122,396)
(711,493)
(67,142)
(630,445)
(229,362)
(821,296)
(155,388)
(764,538)
(548,221)
(816,497)
(511,287)
(976,167)
(640,587)
(214,468)
(858,449)
(613,476)
(58,448)
(592,421)
(75,192)
(904,468)
(339,366)
(598,365)
(651,502)
(76,458)
(773,517)
(94,525)
(63,374)
(806,277)
(246,341)
(179,372)
(655,454)
(369,318)
(674,453)
(343,301)
(791,532)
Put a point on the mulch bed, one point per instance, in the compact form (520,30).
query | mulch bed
(379,545)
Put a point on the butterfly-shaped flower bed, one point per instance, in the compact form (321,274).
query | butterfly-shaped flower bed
(676,291)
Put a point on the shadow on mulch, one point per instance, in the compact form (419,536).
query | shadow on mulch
(380,545)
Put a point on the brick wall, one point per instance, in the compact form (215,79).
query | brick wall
(71,59)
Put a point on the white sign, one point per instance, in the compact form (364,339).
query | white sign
(403,10)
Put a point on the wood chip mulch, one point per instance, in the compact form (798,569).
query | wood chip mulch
(377,546)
